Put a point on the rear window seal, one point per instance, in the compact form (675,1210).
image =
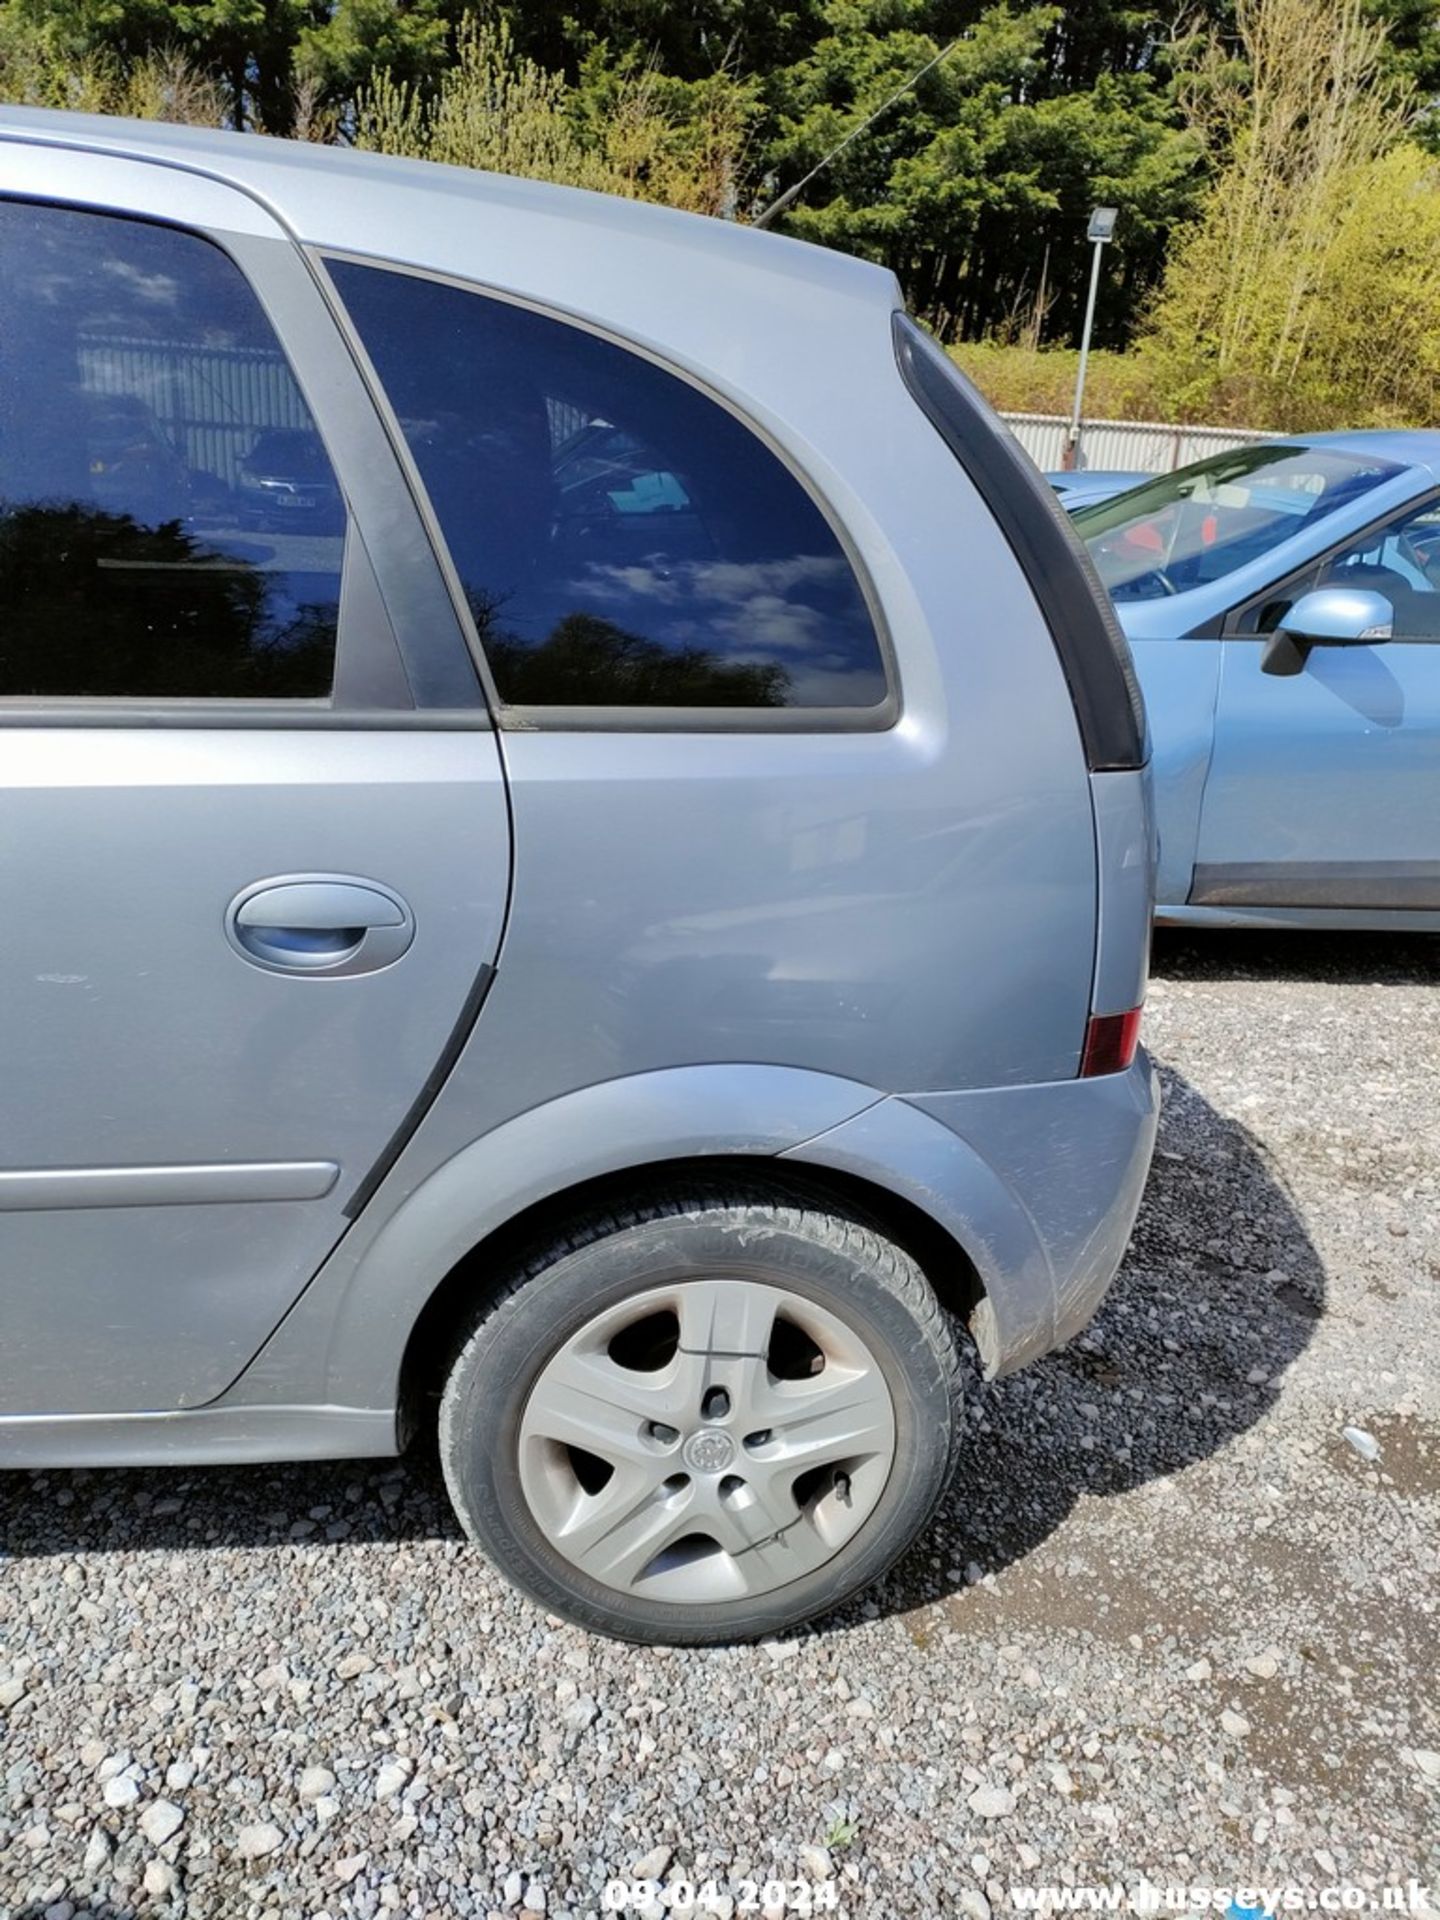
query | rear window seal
(1088,638)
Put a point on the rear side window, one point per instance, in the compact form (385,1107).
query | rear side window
(622,539)
(170,525)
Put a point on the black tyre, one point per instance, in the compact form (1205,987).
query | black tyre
(703,1418)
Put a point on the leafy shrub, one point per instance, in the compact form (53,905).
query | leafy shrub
(1118,386)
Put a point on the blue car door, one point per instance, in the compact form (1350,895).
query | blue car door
(1323,786)
(1180,680)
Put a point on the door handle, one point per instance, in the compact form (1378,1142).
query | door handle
(325,924)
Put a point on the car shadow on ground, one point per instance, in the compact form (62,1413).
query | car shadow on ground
(1356,958)
(1221,1290)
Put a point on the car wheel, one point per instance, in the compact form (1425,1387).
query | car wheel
(704,1417)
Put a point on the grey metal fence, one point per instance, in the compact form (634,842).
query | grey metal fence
(1128,446)
(210,402)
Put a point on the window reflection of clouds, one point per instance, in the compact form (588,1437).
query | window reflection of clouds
(147,288)
(742,603)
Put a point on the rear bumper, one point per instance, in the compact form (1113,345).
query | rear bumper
(1039,1185)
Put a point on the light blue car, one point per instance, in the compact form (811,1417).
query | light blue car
(1283,606)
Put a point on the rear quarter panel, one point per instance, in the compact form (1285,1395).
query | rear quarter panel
(910,907)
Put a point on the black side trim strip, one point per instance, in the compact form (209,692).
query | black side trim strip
(1413,885)
(1076,607)
(423,1100)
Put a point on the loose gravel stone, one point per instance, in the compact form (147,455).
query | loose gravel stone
(159,1877)
(652,1865)
(256,1841)
(160,1820)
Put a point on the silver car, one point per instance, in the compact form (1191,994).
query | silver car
(607,922)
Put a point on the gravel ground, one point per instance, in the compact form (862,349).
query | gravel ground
(1172,1621)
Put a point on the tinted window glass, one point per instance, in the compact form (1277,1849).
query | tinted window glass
(622,539)
(169,522)
(1189,528)
(1400,559)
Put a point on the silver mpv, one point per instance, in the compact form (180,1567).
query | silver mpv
(577,866)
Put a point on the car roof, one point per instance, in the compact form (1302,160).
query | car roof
(317,190)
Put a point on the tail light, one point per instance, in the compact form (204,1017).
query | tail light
(1110,1042)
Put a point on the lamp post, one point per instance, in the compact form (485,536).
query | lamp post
(1101,229)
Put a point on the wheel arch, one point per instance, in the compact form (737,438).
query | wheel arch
(947,1267)
(437,1221)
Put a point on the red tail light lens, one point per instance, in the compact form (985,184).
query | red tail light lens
(1110,1042)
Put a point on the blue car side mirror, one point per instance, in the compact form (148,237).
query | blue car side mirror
(1328,617)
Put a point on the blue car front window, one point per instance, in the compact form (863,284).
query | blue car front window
(1190,528)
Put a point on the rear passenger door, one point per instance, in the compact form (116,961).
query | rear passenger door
(254,849)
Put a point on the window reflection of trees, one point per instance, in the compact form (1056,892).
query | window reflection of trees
(587,661)
(96,603)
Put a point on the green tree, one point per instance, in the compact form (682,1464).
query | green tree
(342,55)
(248,45)
(986,170)
(161,84)
(689,42)
(629,130)
(493,107)
(1248,315)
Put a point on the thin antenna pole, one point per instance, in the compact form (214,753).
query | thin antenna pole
(791,194)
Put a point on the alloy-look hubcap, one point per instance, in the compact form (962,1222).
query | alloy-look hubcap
(706,1441)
